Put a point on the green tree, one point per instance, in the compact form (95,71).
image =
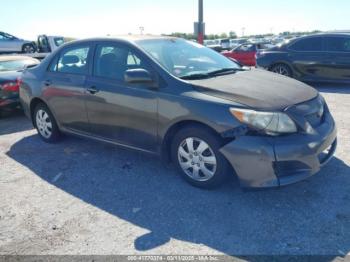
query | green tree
(223,35)
(232,34)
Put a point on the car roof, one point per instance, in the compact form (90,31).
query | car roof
(16,58)
(347,34)
(124,38)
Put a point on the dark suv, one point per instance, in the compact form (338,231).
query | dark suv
(315,58)
(184,102)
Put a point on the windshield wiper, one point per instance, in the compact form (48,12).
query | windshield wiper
(224,70)
(211,74)
(195,76)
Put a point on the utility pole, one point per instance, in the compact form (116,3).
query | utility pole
(199,27)
(243,29)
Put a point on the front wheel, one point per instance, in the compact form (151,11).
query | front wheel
(195,152)
(46,124)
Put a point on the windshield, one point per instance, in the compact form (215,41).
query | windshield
(182,58)
(15,65)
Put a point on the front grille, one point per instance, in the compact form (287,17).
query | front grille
(290,168)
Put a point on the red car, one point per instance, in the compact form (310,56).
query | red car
(11,68)
(244,54)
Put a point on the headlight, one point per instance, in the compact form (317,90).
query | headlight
(272,123)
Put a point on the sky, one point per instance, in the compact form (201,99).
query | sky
(89,18)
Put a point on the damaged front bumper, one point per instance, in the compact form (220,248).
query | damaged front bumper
(264,162)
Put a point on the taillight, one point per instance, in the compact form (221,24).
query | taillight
(12,86)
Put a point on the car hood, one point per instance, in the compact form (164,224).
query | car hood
(257,89)
(9,75)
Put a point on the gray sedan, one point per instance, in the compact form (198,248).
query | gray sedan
(12,44)
(186,103)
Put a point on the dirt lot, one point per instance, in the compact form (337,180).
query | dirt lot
(83,197)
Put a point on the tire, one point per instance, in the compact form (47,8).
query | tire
(46,124)
(28,49)
(187,161)
(282,69)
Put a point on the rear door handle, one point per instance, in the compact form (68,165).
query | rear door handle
(92,90)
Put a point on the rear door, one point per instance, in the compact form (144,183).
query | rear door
(64,86)
(308,57)
(338,58)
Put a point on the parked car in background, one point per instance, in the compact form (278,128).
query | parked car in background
(213,44)
(184,102)
(224,43)
(12,44)
(316,58)
(48,44)
(238,41)
(10,71)
(245,54)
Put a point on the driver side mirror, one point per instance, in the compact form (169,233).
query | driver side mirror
(138,76)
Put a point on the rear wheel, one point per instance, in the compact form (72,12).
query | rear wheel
(282,69)
(46,124)
(195,152)
(28,49)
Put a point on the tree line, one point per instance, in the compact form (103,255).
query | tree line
(233,35)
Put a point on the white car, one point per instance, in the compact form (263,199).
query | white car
(12,44)
(48,44)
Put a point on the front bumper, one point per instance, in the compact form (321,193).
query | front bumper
(263,162)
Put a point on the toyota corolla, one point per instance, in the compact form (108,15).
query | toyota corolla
(182,101)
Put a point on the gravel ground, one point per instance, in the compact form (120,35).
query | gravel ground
(84,197)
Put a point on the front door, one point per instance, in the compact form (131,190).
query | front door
(117,111)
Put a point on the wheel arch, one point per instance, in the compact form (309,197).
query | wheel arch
(33,103)
(176,127)
(282,62)
(27,44)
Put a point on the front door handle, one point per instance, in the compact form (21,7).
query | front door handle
(47,83)
(92,90)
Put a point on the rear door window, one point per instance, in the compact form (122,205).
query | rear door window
(72,61)
(337,44)
(314,44)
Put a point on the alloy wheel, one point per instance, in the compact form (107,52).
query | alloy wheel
(28,49)
(43,123)
(281,69)
(197,159)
